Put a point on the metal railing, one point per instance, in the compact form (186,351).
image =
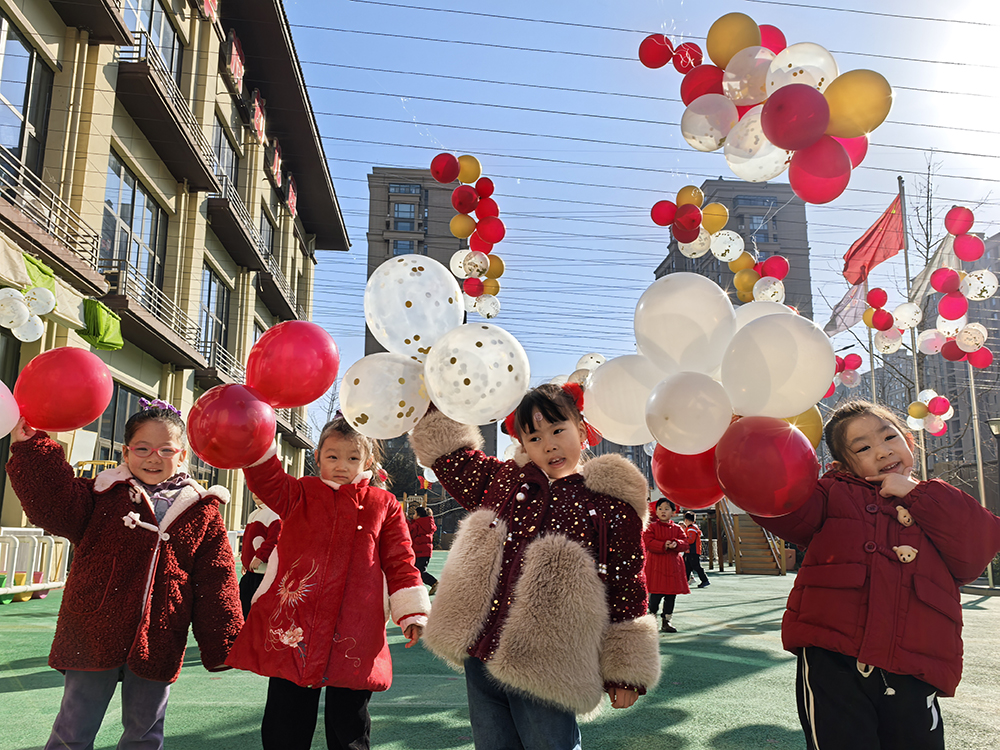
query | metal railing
(777,548)
(22,187)
(301,425)
(40,557)
(231,194)
(145,50)
(279,279)
(127,281)
(221,359)
(728,528)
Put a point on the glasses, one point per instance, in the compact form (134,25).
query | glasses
(144,452)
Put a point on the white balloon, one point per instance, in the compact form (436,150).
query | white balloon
(430,476)
(487,305)
(972,337)
(13,312)
(769,289)
(889,341)
(850,378)
(475,264)
(930,341)
(804,62)
(10,412)
(383,395)
(778,366)
(509,452)
(727,245)
(477,373)
(979,285)
(745,78)
(908,315)
(469,302)
(707,121)
(649,448)
(688,413)
(746,313)
(457,263)
(951,327)
(615,402)
(31,330)
(933,423)
(580,377)
(11,292)
(750,155)
(684,321)
(40,300)
(410,302)
(926,395)
(560,380)
(697,248)
(591,361)
(914,424)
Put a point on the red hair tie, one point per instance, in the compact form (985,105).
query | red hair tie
(575,391)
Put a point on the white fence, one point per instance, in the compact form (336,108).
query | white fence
(42,559)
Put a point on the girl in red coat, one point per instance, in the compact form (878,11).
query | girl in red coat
(259,538)
(318,619)
(422,528)
(875,615)
(666,577)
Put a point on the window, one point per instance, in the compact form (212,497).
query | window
(25,95)
(404,189)
(151,17)
(758,228)
(403,215)
(258,331)
(225,152)
(134,227)
(110,426)
(266,233)
(755,200)
(214,310)
(402,247)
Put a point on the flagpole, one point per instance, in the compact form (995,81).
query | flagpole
(871,363)
(979,454)
(913,330)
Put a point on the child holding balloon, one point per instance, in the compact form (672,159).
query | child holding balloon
(875,615)
(318,618)
(542,599)
(151,558)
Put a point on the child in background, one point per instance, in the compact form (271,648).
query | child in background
(875,615)
(542,598)
(259,538)
(151,557)
(422,528)
(692,558)
(666,577)
(318,619)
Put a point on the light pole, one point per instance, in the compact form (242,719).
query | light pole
(994,425)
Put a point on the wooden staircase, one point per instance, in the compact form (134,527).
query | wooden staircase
(752,550)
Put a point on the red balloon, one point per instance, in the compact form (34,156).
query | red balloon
(687,57)
(484,187)
(758,268)
(766,466)
(795,116)
(820,173)
(685,235)
(856,148)
(63,389)
(953,306)
(688,217)
(478,244)
(882,320)
(444,168)
(292,364)
(951,352)
(464,198)
(981,358)
(946,280)
(772,38)
(491,229)
(776,266)
(938,405)
(473,286)
(705,79)
(740,111)
(877,298)
(830,391)
(663,212)
(487,207)
(687,481)
(958,220)
(852,361)
(840,364)
(942,431)
(969,247)
(655,51)
(230,426)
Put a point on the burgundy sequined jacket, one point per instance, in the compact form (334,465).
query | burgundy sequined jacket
(544,581)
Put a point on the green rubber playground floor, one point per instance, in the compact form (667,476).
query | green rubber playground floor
(726,685)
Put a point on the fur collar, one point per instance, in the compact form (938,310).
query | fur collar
(190,494)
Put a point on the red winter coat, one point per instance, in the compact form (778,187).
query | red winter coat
(665,571)
(134,586)
(693,534)
(852,594)
(260,537)
(319,618)
(422,530)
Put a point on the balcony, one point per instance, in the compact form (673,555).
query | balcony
(150,319)
(223,368)
(275,291)
(48,225)
(233,226)
(102,18)
(150,94)
(293,428)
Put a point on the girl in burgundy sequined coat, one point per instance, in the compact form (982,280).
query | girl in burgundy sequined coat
(543,590)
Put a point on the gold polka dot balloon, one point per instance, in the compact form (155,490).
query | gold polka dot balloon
(383,395)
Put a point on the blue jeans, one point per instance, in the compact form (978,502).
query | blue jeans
(507,720)
(85,700)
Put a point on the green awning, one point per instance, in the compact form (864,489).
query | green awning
(41,275)
(104,327)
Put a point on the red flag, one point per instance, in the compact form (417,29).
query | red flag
(883,240)
(424,484)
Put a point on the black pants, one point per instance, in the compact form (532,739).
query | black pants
(290,717)
(841,708)
(668,603)
(427,578)
(248,587)
(692,562)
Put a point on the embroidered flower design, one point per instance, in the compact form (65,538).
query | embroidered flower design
(291,637)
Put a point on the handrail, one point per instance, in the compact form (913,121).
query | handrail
(231,194)
(222,359)
(24,189)
(772,544)
(36,564)
(126,280)
(279,279)
(729,528)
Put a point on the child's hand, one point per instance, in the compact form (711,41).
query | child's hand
(255,563)
(622,697)
(413,632)
(894,485)
(21,431)
(670,544)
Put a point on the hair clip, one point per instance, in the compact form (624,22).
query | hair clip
(145,404)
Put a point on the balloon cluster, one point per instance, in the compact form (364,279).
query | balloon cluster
(477,267)
(760,281)
(889,326)
(711,379)
(846,373)
(929,412)
(774,106)
(294,363)
(21,311)
(691,224)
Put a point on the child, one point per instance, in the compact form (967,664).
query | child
(259,538)
(318,619)
(542,598)
(692,558)
(665,544)
(875,615)
(422,528)
(151,557)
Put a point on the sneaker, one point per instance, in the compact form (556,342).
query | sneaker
(703,584)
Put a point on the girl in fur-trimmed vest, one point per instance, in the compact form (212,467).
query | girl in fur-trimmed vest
(542,599)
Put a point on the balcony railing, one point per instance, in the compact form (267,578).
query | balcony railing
(231,194)
(221,359)
(301,425)
(127,281)
(22,188)
(279,279)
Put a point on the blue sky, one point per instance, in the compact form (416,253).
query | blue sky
(581,139)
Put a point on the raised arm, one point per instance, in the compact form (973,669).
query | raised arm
(800,526)
(268,481)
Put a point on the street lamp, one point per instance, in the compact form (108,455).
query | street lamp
(995,429)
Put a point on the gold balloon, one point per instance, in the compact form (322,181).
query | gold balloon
(917,410)
(745,279)
(495,271)
(491,286)
(867,317)
(810,424)
(462,226)
(469,169)
(744,296)
(859,102)
(714,217)
(690,194)
(743,262)
(730,34)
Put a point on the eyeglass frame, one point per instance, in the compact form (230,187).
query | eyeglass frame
(145,452)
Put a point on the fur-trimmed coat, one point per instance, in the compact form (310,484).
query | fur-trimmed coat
(319,617)
(544,581)
(134,586)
